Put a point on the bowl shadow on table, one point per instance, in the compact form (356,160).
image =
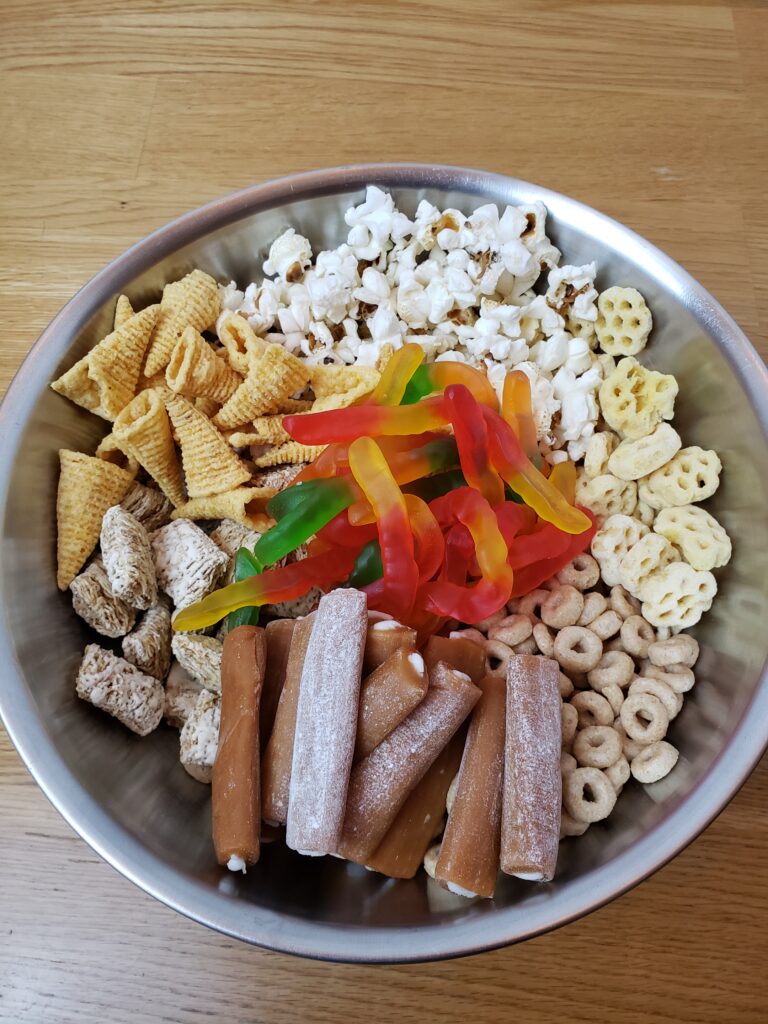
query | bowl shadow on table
(140,782)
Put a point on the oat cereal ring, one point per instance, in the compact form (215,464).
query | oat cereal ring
(654,762)
(614,669)
(615,538)
(592,709)
(618,773)
(644,718)
(568,762)
(577,649)
(588,795)
(528,646)
(614,644)
(702,540)
(530,605)
(565,685)
(682,649)
(633,400)
(691,475)
(497,654)
(544,638)
(563,607)
(623,321)
(485,624)
(672,701)
(623,603)
(614,695)
(606,495)
(570,827)
(606,625)
(569,718)
(597,746)
(594,605)
(512,630)
(582,573)
(679,678)
(636,636)
(599,449)
(635,459)
(677,595)
(630,747)
(651,553)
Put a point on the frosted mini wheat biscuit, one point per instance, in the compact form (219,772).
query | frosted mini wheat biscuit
(95,602)
(187,562)
(199,737)
(148,646)
(127,558)
(119,688)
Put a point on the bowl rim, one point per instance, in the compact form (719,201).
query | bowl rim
(242,919)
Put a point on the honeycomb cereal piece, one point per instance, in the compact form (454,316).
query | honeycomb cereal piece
(181,694)
(678,595)
(644,558)
(197,371)
(123,311)
(634,459)
(210,464)
(193,301)
(119,688)
(271,378)
(87,488)
(701,539)
(244,504)
(291,453)
(623,321)
(144,431)
(617,535)
(606,495)
(240,341)
(693,474)
(599,449)
(200,656)
(148,646)
(633,400)
(94,601)
(187,562)
(580,328)
(105,380)
(199,738)
(128,558)
(150,507)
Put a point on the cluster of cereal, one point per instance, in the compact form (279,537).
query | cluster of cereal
(460,286)
(621,682)
(643,487)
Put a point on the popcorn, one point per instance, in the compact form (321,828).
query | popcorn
(375,224)
(571,291)
(289,256)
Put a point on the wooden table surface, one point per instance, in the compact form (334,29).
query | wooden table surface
(117,117)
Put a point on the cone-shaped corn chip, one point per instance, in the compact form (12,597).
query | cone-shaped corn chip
(143,430)
(123,311)
(272,377)
(240,341)
(294,405)
(87,488)
(210,465)
(243,504)
(105,380)
(110,451)
(342,399)
(265,430)
(337,380)
(207,407)
(288,454)
(194,300)
(196,371)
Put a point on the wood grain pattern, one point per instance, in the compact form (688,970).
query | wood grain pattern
(116,118)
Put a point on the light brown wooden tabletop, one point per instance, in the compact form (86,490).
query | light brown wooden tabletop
(117,117)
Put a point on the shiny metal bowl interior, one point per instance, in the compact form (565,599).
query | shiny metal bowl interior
(130,799)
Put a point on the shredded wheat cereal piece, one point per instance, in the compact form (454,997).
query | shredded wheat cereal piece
(181,693)
(187,562)
(200,656)
(150,507)
(230,537)
(148,647)
(127,558)
(119,688)
(199,738)
(87,488)
(95,602)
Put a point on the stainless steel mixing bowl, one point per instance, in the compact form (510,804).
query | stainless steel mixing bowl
(130,799)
